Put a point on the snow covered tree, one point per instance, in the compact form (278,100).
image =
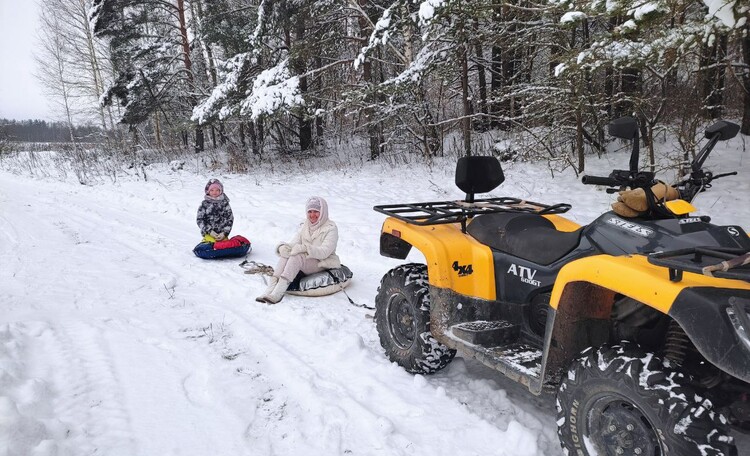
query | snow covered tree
(653,51)
(151,54)
(734,16)
(285,74)
(420,73)
(254,81)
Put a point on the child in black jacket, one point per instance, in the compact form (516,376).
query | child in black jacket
(215,216)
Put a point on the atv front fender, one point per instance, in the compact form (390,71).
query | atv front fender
(454,259)
(702,313)
(697,302)
(635,277)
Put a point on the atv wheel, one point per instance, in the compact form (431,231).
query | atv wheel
(402,316)
(621,400)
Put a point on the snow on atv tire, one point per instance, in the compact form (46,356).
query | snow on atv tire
(402,317)
(623,400)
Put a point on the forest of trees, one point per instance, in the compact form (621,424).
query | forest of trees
(289,77)
(41,131)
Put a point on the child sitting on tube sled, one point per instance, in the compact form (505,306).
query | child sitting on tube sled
(215,216)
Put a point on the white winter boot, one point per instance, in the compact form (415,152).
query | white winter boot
(271,285)
(278,291)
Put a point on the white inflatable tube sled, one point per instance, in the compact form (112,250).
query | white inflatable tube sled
(321,283)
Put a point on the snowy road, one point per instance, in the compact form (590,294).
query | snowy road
(116,340)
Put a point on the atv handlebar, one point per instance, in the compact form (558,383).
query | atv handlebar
(598,180)
(733,173)
(622,178)
(697,182)
(697,179)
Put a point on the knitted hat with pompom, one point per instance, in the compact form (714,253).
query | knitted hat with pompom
(214,183)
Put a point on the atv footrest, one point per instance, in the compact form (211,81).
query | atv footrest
(522,357)
(487,333)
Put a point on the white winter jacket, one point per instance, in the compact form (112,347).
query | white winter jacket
(320,239)
(321,244)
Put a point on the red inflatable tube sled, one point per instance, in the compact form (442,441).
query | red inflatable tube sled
(236,246)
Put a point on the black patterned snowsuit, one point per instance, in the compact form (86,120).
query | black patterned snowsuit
(215,215)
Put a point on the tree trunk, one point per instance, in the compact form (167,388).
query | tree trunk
(481,79)
(305,126)
(712,77)
(157,130)
(579,140)
(374,134)
(630,86)
(746,83)
(496,86)
(466,122)
(505,69)
(609,88)
(199,139)
(243,142)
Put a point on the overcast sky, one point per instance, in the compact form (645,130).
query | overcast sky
(20,93)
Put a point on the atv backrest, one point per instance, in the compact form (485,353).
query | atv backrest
(726,130)
(478,175)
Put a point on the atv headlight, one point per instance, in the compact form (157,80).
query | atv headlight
(739,314)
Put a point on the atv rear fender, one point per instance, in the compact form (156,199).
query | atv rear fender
(454,259)
(585,291)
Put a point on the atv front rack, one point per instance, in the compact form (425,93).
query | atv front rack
(440,212)
(714,261)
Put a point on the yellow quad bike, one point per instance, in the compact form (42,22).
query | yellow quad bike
(642,325)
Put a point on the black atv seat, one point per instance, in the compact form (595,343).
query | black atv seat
(528,236)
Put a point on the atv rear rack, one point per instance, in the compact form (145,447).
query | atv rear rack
(440,212)
(703,260)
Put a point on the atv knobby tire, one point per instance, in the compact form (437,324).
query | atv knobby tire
(402,317)
(622,400)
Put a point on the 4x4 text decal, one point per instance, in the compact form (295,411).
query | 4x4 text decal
(463,270)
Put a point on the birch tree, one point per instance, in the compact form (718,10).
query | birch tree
(53,67)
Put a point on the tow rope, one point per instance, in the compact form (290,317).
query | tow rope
(351,301)
(252,267)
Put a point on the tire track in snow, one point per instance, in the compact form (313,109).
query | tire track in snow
(268,422)
(393,416)
(137,251)
(32,239)
(92,398)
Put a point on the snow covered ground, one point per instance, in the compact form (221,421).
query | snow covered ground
(116,340)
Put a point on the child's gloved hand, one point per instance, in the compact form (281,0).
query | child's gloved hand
(214,234)
(297,249)
(284,250)
(220,237)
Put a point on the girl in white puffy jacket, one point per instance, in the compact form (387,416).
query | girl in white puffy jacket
(311,250)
